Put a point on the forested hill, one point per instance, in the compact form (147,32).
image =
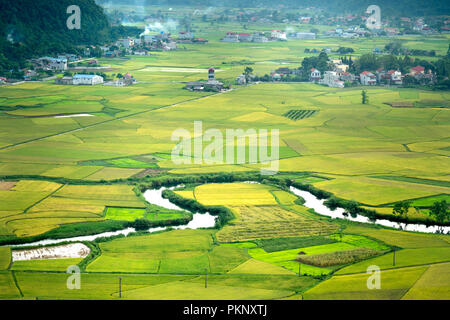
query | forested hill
(388,7)
(38,27)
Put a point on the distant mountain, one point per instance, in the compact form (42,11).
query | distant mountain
(38,27)
(388,7)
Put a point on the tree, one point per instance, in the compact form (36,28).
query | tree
(247,72)
(401,208)
(440,211)
(365,97)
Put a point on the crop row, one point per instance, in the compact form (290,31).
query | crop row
(299,114)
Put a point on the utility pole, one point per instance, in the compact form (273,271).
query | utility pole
(393,259)
(120,287)
(299,269)
(206,278)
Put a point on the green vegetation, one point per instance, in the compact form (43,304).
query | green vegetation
(5,258)
(337,258)
(124,214)
(279,244)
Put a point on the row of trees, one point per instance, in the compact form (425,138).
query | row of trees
(439,210)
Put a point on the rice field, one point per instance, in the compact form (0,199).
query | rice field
(395,148)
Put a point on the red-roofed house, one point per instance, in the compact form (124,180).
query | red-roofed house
(417,69)
(395,77)
(315,75)
(368,78)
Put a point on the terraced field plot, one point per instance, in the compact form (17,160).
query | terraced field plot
(258,214)
(29,212)
(259,222)
(180,251)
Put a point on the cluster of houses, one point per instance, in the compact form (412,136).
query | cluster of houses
(80,79)
(351,32)
(339,76)
(189,37)
(142,46)
(276,35)
(54,64)
(92,80)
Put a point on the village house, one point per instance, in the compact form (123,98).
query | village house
(315,75)
(30,74)
(275,76)
(368,78)
(126,80)
(140,52)
(278,35)
(347,76)
(69,57)
(241,80)
(395,77)
(64,81)
(238,37)
(231,37)
(87,79)
(391,31)
(417,70)
(127,43)
(211,85)
(2,80)
(331,79)
(339,67)
(259,37)
(49,63)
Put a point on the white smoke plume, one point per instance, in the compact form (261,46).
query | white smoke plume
(166,27)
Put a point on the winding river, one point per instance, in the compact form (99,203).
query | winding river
(153,196)
(313,202)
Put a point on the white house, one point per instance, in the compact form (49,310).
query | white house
(331,79)
(54,64)
(140,52)
(279,35)
(396,77)
(241,79)
(315,75)
(87,79)
(231,37)
(368,78)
